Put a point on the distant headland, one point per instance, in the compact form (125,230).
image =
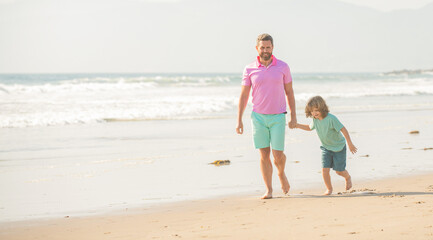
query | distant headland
(410,72)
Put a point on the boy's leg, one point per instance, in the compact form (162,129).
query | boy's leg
(340,167)
(280,163)
(327,180)
(346,176)
(266,168)
(327,163)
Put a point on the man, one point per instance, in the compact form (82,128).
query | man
(271,82)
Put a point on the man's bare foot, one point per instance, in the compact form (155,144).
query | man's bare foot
(348,183)
(328,192)
(267,195)
(285,186)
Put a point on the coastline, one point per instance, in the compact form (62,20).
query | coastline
(393,208)
(85,170)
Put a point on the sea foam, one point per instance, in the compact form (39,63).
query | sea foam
(33,100)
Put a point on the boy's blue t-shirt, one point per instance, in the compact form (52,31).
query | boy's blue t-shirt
(328,130)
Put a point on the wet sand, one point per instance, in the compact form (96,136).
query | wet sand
(85,170)
(397,208)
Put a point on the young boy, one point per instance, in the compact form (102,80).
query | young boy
(329,129)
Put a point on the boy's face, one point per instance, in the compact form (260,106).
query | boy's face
(316,113)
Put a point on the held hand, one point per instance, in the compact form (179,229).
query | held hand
(352,148)
(240,128)
(293,123)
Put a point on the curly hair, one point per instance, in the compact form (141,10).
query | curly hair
(319,103)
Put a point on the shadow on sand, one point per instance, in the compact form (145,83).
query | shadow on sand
(358,194)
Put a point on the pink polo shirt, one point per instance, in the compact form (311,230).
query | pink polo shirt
(267,84)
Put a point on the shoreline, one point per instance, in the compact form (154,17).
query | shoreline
(392,208)
(89,170)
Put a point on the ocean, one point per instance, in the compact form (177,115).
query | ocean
(85,144)
(28,100)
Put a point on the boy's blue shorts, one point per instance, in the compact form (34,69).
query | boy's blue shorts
(334,160)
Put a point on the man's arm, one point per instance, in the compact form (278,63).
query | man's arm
(292,105)
(243,100)
(352,147)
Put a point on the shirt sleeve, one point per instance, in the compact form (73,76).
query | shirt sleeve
(337,124)
(312,125)
(287,74)
(246,80)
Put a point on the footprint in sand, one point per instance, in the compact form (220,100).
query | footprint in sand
(363,191)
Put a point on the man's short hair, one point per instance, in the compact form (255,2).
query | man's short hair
(265,37)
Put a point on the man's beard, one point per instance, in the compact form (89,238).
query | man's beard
(266,56)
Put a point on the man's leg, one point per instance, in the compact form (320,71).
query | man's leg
(280,163)
(266,167)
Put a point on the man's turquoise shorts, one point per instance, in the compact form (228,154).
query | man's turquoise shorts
(269,130)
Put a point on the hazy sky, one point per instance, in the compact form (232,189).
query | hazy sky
(55,36)
(389,5)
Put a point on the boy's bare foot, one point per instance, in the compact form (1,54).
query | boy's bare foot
(348,183)
(285,186)
(267,195)
(328,192)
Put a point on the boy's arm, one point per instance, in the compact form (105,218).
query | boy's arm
(352,147)
(303,127)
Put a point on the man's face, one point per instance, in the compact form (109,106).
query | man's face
(264,48)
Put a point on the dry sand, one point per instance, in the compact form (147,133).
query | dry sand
(386,209)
